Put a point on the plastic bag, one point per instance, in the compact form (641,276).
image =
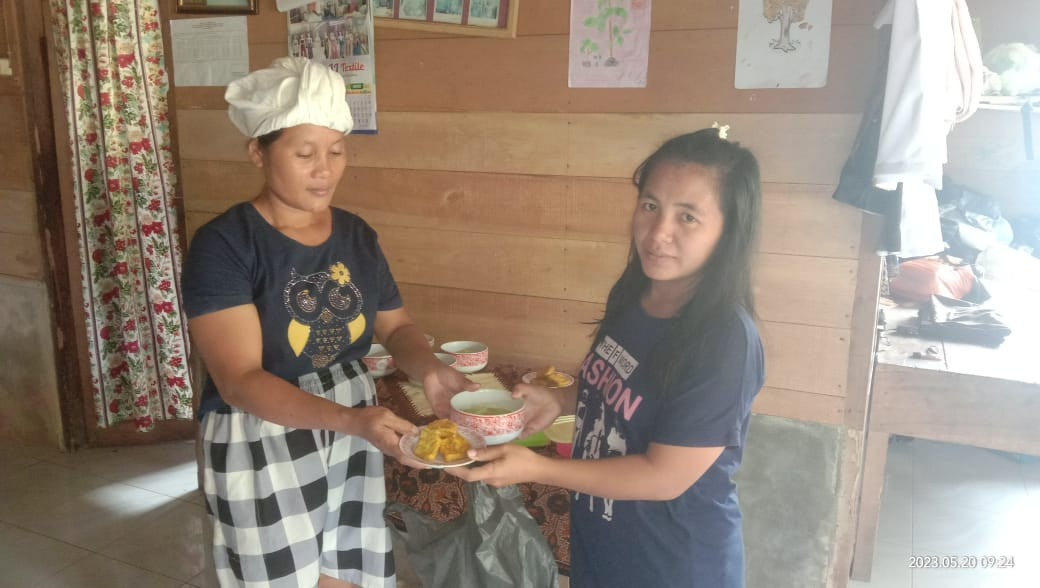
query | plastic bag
(918,279)
(494,544)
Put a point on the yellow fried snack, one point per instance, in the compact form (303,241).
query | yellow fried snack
(550,378)
(427,445)
(454,448)
(441,436)
(440,424)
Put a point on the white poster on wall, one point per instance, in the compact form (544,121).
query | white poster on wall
(783,43)
(209,51)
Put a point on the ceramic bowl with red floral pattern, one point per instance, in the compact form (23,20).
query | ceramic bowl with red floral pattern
(492,412)
(472,356)
(379,361)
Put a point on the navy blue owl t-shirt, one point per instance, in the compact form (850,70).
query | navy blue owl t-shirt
(694,540)
(317,305)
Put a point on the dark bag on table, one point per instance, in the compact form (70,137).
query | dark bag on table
(494,544)
(957,320)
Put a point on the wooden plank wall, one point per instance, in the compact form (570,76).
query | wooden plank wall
(501,196)
(20,251)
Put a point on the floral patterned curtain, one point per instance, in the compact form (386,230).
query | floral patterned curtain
(110,57)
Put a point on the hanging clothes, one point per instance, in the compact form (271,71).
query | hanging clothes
(933,79)
(856,185)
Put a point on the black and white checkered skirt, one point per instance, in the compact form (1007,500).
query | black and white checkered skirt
(291,504)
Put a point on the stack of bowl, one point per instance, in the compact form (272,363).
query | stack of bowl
(471,356)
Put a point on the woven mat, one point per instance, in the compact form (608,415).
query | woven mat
(417,396)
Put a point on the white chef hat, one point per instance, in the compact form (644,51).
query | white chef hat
(292,91)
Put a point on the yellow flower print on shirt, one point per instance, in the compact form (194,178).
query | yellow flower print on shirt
(339,272)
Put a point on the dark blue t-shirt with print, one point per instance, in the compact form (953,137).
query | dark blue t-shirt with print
(695,539)
(317,304)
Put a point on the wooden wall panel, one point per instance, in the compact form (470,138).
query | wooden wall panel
(529,75)
(805,290)
(820,408)
(798,219)
(12,121)
(16,167)
(806,358)
(22,256)
(18,212)
(518,329)
(594,145)
(532,331)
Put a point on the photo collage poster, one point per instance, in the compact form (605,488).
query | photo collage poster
(340,34)
(478,13)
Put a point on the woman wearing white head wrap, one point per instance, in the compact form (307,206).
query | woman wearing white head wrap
(284,294)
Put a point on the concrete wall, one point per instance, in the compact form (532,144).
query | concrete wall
(28,387)
(786,494)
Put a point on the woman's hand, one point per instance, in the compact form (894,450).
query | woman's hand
(541,407)
(440,383)
(505,464)
(382,428)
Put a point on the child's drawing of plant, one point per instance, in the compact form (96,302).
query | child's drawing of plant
(588,49)
(610,19)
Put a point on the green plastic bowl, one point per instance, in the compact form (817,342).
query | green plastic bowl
(539,439)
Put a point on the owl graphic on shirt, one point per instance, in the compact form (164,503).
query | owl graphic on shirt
(326,313)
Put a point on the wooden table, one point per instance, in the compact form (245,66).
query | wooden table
(443,496)
(967,394)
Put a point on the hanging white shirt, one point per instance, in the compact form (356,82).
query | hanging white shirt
(912,144)
(934,80)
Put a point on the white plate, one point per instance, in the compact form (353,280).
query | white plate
(530,376)
(475,439)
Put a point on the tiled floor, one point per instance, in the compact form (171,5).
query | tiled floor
(951,500)
(109,518)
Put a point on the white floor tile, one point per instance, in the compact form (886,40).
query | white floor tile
(975,578)
(173,544)
(133,517)
(30,559)
(167,468)
(14,456)
(944,529)
(890,569)
(207,579)
(895,523)
(83,510)
(965,476)
(97,571)
(1029,468)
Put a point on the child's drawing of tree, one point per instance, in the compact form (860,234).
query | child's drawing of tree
(786,12)
(610,19)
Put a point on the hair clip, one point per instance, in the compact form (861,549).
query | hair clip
(723,129)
